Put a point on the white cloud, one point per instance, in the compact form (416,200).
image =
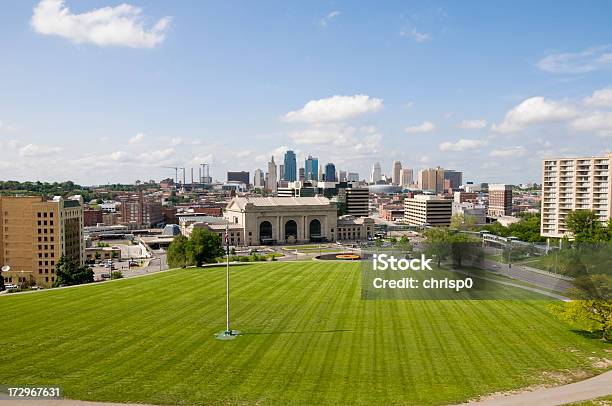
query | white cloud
(472,124)
(117,156)
(4,127)
(138,138)
(156,156)
(461,145)
(335,108)
(243,154)
(416,35)
(122,25)
(600,98)
(424,127)
(596,121)
(176,141)
(332,135)
(589,60)
(535,110)
(329,18)
(514,152)
(37,151)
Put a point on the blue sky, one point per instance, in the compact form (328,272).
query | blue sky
(96,91)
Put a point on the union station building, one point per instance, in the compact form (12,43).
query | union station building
(283,220)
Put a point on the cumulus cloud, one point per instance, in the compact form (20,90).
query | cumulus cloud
(599,122)
(424,127)
(329,18)
(472,124)
(600,98)
(335,108)
(138,138)
(243,154)
(37,151)
(514,152)
(4,127)
(461,145)
(535,110)
(122,25)
(588,60)
(416,35)
(156,156)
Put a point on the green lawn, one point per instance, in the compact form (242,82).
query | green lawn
(308,339)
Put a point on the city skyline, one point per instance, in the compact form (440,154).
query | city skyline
(80,104)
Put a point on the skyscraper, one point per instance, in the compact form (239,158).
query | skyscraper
(407,177)
(290,167)
(376,173)
(432,180)
(330,172)
(311,168)
(272,176)
(455,178)
(342,176)
(258,178)
(396,171)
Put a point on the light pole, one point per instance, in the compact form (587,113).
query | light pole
(228,333)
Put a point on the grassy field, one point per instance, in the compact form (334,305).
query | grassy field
(308,339)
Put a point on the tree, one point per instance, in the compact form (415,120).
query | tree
(437,244)
(69,273)
(177,252)
(585,226)
(203,246)
(462,222)
(404,245)
(116,275)
(443,243)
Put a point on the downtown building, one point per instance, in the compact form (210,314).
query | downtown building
(432,180)
(36,233)
(574,184)
(428,210)
(356,201)
(500,200)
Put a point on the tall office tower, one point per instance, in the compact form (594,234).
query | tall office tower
(258,178)
(396,172)
(342,176)
(281,172)
(352,177)
(357,201)
(272,176)
(321,173)
(407,177)
(330,172)
(500,200)
(290,167)
(432,180)
(36,233)
(311,168)
(302,175)
(428,210)
(376,175)
(454,178)
(574,184)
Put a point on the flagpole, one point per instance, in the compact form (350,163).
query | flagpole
(227,334)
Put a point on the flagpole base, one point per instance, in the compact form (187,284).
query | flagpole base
(227,335)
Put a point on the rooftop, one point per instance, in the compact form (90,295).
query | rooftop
(241,202)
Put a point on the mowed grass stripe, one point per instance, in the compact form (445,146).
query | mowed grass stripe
(151,340)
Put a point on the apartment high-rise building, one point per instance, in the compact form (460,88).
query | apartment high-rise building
(311,168)
(138,210)
(396,172)
(428,210)
(500,200)
(290,174)
(259,179)
(407,177)
(432,180)
(376,174)
(35,233)
(356,200)
(271,181)
(574,184)
(330,172)
(454,178)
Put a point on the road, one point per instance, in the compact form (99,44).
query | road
(598,386)
(525,274)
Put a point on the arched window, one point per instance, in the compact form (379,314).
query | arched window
(265,232)
(314,230)
(291,230)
